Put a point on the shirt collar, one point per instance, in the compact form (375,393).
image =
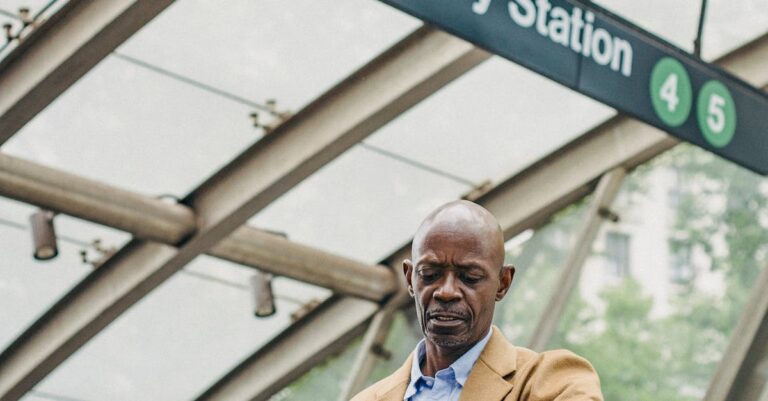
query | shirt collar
(461,367)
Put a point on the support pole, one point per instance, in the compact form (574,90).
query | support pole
(741,375)
(373,344)
(697,43)
(604,195)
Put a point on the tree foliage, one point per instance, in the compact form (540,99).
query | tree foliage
(720,213)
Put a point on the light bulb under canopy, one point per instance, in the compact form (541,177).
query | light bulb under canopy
(43,235)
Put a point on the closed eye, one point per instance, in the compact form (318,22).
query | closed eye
(471,278)
(428,276)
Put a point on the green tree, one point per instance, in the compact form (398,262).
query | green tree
(721,212)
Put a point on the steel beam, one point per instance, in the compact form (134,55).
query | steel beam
(301,346)
(606,192)
(742,374)
(169,223)
(570,173)
(365,360)
(390,84)
(373,343)
(61,50)
(142,216)
(277,255)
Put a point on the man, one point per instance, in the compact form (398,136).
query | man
(456,275)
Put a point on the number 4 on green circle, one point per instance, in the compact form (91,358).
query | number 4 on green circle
(671,93)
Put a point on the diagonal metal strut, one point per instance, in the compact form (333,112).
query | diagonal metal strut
(604,195)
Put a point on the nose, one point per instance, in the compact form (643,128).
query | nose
(448,290)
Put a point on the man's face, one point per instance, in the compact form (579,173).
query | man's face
(455,278)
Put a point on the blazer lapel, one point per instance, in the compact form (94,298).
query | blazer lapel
(497,361)
(484,384)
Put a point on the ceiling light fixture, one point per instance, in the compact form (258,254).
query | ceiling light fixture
(43,235)
(264,300)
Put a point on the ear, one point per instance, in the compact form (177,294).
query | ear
(505,281)
(408,272)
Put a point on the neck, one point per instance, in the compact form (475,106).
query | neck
(438,358)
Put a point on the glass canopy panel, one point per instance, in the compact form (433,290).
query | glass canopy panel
(194,327)
(130,127)
(728,26)
(725,27)
(362,205)
(673,21)
(29,287)
(38,10)
(166,133)
(491,122)
(663,289)
(288,51)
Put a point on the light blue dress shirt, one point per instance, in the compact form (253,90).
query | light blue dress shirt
(447,383)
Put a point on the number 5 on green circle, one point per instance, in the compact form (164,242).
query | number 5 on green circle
(671,93)
(716,114)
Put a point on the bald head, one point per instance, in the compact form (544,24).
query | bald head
(464,217)
(456,276)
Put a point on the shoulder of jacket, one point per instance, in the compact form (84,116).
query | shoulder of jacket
(526,356)
(558,373)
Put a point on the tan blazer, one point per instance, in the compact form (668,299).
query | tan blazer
(508,373)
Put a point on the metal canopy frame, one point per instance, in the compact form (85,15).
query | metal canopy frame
(402,76)
(740,376)
(211,218)
(62,50)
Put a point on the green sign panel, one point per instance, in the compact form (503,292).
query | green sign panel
(598,54)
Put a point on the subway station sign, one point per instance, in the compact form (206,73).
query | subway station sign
(602,56)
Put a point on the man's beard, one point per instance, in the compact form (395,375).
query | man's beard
(449,341)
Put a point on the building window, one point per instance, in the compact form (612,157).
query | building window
(617,253)
(679,190)
(681,268)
